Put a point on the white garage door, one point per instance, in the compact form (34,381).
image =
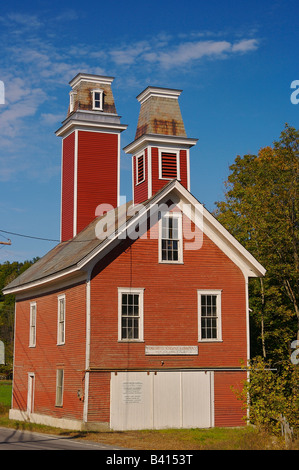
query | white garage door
(180,399)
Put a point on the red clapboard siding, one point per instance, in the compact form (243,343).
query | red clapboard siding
(171,316)
(228,409)
(141,189)
(44,359)
(67,198)
(183,168)
(157,183)
(97,174)
(99,397)
(170,306)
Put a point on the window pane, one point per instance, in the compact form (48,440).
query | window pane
(170,239)
(209,316)
(59,387)
(130,316)
(61,320)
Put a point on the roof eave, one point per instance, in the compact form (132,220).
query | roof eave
(47,280)
(158,139)
(242,258)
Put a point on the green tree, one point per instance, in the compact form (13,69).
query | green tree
(8,272)
(261,210)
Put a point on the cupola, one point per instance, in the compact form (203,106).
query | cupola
(90,152)
(161,147)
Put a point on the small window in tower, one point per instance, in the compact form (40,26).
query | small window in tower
(97,100)
(169,165)
(72,100)
(140,176)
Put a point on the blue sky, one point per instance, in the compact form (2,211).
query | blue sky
(234,60)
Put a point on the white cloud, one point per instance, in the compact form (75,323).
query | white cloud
(36,64)
(192,52)
(24,20)
(245,45)
(128,54)
(21,102)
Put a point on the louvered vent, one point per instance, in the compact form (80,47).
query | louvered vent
(169,165)
(140,169)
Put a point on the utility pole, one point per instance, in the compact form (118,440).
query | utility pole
(5,243)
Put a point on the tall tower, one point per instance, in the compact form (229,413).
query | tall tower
(160,150)
(90,152)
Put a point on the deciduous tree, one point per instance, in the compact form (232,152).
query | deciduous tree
(261,210)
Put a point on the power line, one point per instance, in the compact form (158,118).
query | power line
(30,236)
(44,239)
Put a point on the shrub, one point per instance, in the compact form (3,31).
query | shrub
(5,372)
(271,394)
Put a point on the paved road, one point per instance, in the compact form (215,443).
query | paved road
(12,439)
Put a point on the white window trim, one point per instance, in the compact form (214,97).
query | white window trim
(94,107)
(72,100)
(58,403)
(219,315)
(177,215)
(142,155)
(131,290)
(30,392)
(170,150)
(60,340)
(32,338)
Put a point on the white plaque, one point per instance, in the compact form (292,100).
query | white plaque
(132,392)
(171,350)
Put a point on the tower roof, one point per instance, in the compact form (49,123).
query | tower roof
(91,104)
(82,87)
(160,112)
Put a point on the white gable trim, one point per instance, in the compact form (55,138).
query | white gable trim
(201,217)
(210,226)
(224,240)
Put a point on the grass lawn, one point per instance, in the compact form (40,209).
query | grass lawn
(5,392)
(244,438)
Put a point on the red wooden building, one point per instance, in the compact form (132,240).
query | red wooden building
(139,317)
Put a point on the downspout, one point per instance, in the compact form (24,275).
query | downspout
(247,319)
(87,348)
(14,355)
(248,336)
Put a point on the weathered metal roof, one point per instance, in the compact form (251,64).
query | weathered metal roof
(68,254)
(75,254)
(160,113)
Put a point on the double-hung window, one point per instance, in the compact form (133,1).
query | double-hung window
(130,314)
(171,238)
(209,315)
(61,320)
(32,333)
